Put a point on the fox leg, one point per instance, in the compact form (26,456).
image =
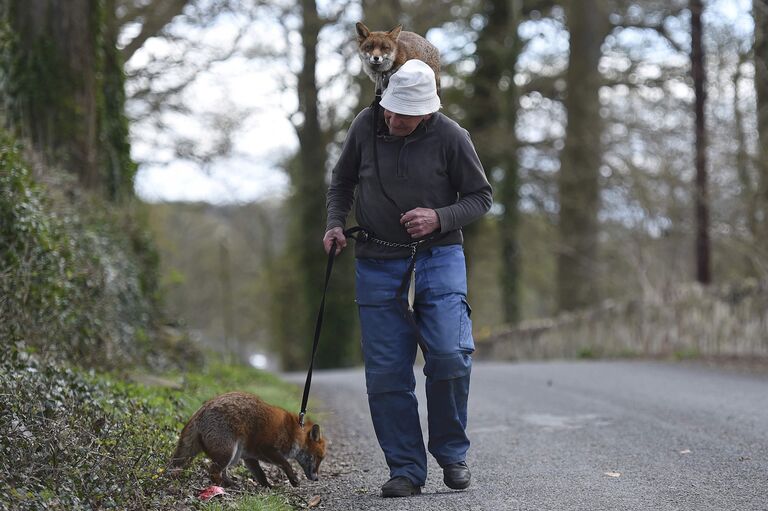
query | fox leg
(278,459)
(221,461)
(255,468)
(219,474)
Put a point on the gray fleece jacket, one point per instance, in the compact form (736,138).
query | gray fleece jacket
(434,167)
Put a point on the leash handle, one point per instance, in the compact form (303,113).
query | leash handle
(316,341)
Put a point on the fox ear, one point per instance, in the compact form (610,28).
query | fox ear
(362,31)
(395,32)
(314,433)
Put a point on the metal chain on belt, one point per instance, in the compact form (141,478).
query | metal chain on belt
(366,236)
(411,246)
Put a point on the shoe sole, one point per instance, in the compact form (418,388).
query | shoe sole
(454,486)
(396,493)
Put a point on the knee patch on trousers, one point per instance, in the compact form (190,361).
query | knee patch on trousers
(378,382)
(446,366)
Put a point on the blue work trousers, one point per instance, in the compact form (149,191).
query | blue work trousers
(389,351)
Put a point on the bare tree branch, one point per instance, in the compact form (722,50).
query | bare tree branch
(156,16)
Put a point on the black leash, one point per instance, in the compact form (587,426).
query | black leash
(318,326)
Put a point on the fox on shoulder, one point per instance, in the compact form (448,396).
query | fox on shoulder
(382,53)
(238,425)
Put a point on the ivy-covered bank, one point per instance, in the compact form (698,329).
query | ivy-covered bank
(93,388)
(77,275)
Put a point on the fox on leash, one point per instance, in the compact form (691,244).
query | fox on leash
(382,53)
(238,425)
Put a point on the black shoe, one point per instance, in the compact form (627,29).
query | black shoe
(399,486)
(456,475)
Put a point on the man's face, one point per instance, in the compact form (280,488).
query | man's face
(402,125)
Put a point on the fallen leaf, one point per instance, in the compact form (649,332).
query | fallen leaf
(314,501)
(685,451)
(613,474)
(211,492)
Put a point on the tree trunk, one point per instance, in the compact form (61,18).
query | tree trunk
(578,180)
(309,204)
(508,190)
(64,88)
(53,80)
(119,168)
(491,118)
(760,13)
(744,169)
(701,199)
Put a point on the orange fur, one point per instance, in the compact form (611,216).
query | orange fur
(238,425)
(382,53)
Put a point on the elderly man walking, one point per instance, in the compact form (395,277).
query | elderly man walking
(418,181)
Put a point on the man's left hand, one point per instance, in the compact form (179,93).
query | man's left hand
(420,222)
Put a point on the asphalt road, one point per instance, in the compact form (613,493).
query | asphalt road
(570,436)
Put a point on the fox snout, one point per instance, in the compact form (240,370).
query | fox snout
(380,61)
(310,463)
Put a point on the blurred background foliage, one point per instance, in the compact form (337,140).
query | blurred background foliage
(626,148)
(584,115)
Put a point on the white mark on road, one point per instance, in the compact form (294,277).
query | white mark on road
(553,422)
(489,429)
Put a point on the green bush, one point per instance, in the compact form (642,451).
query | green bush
(74,441)
(77,276)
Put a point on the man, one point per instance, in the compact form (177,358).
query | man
(420,184)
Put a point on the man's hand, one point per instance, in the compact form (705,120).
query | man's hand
(337,233)
(420,222)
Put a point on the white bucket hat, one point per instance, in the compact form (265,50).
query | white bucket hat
(412,90)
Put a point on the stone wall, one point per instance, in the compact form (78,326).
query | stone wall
(690,321)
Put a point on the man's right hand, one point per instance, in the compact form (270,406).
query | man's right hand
(337,233)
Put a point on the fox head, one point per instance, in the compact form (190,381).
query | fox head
(377,49)
(312,452)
